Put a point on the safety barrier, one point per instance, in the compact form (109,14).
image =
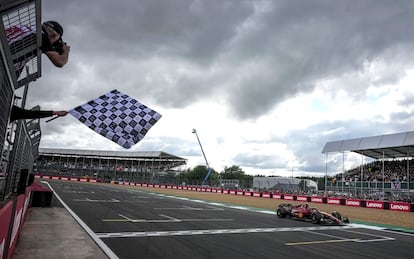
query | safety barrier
(12,217)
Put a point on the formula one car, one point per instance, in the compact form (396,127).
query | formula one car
(305,213)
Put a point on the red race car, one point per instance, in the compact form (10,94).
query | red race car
(304,212)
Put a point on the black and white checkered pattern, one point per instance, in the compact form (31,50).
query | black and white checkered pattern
(117,117)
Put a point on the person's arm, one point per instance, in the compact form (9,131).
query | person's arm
(18,113)
(57,59)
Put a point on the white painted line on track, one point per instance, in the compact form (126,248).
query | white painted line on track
(325,235)
(397,232)
(168,220)
(379,238)
(214,231)
(95,238)
(190,208)
(321,242)
(90,200)
(77,192)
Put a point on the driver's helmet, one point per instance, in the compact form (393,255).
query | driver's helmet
(305,205)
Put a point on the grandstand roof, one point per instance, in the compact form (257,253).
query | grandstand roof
(398,145)
(105,154)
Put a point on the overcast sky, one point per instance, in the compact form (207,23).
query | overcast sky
(265,83)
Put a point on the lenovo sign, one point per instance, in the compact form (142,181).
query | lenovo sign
(317,199)
(334,201)
(288,197)
(401,206)
(355,203)
(374,204)
(277,196)
(302,198)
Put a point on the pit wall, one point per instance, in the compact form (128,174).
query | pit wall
(12,217)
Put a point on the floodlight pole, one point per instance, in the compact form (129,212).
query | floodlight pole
(205,158)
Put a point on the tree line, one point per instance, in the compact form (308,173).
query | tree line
(196,175)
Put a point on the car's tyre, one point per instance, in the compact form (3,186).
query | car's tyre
(315,218)
(337,215)
(281,212)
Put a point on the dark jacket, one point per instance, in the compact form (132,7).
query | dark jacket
(18,113)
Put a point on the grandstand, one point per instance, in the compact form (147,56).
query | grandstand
(389,176)
(283,184)
(139,166)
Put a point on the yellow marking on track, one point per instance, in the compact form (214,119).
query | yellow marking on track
(322,242)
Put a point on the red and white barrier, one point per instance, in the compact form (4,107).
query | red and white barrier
(302,198)
(288,197)
(5,217)
(17,223)
(335,201)
(400,206)
(353,202)
(374,204)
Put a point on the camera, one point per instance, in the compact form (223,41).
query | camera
(58,46)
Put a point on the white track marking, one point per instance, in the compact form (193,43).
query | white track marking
(168,220)
(209,208)
(77,192)
(89,200)
(326,235)
(380,238)
(211,232)
(321,242)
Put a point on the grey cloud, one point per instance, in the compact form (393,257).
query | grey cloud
(267,50)
(259,161)
(252,54)
(408,100)
(327,40)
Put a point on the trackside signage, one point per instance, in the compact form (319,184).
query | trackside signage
(374,204)
(317,199)
(277,196)
(352,202)
(302,198)
(400,206)
(336,201)
(288,197)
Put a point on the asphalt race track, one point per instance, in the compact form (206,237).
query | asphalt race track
(136,224)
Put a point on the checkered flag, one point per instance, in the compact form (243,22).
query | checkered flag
(117,117)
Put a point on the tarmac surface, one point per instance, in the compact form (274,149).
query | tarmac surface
(51,232)
(141,224)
